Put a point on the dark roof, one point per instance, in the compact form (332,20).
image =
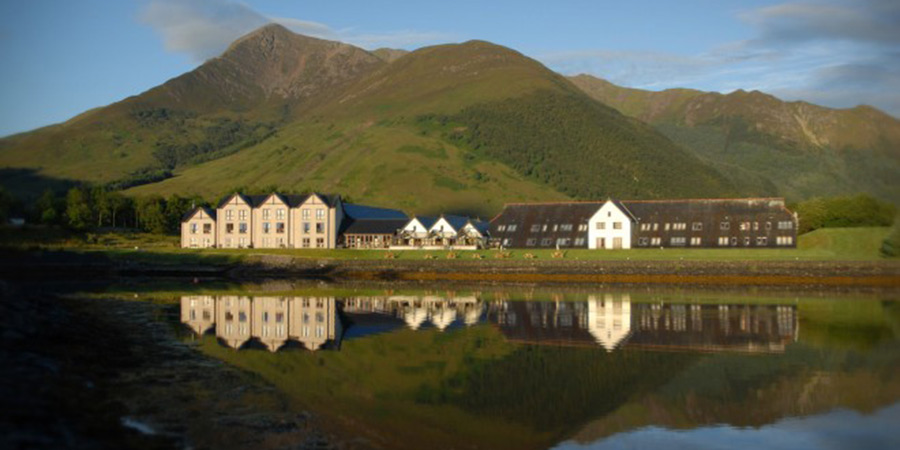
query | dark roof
(292,200)
(374,226)
(644,210)
(355,211)
(426,221)
(482,226)
(189,214)
(457,222)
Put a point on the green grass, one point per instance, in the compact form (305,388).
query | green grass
(834,244)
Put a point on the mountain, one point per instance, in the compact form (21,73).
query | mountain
(802,149)
(455,128)
(459,128)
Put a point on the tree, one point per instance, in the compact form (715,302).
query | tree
(118,203)
(176,208)
(151,214)
(102,204)
(47,209)
(78,209)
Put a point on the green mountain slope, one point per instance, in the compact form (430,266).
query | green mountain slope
(461,128)
(801,149)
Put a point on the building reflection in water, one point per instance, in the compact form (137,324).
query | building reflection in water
(273,322)
(607,320)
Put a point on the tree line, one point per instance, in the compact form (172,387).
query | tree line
(84,207)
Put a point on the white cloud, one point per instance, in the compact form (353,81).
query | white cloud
(204,28)
(838,53)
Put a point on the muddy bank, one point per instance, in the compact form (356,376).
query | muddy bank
(112,374)
(759,273)
(37,265)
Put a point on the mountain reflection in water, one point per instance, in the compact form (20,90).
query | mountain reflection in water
(609,321)
(531,369)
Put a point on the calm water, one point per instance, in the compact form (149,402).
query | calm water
(606,369)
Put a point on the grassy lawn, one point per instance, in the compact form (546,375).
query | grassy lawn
(847,244)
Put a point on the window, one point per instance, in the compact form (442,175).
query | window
(617,225)
(762,241)
(677,241)
(242,214)
(768,226)
(746,241)
(563,242)
(304,213)
(601,225)
(697,226)
(530,242)
(655,241)
(565,227)
(279,317)
(723,241)
(229,228)
(655,226)
(229,214)
(695,241)
(193,242)
(320,228)
(306,227)
(546,242)
(512,228)
(667,226)
(320,242)
(242,316)
(265,214)
(785,225)
(535,228)
(506,241)
(279,227)
(734,240)
(279,214)
(579,242)
(320,214)
(582,227)
(544,228)
(501,228)
(679,226)
(645,227)
(725,226)
(784,240)
(266,227)
(642,241)
(305,242)
(207,228)
(755,226)
(242,228)
(193,228)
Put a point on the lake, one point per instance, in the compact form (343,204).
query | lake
(567,368)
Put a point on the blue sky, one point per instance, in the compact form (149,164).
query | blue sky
(61,58)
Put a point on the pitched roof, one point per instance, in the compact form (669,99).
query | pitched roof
(355,211)
(482,226)
(228,198)
(457,222)
(292,200)
(374,226)
(188,215)
(686,208)
(426,221)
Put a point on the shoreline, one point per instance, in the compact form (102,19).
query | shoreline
(68,264)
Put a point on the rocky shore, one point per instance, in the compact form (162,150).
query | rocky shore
(113,374)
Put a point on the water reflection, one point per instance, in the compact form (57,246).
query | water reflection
(609,320)
(273,322)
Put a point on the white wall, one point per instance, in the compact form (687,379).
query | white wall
(609,214)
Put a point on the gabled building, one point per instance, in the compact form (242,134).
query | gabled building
(416,232)
(198,228)
(613,224)
(370,227)
(266,221)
